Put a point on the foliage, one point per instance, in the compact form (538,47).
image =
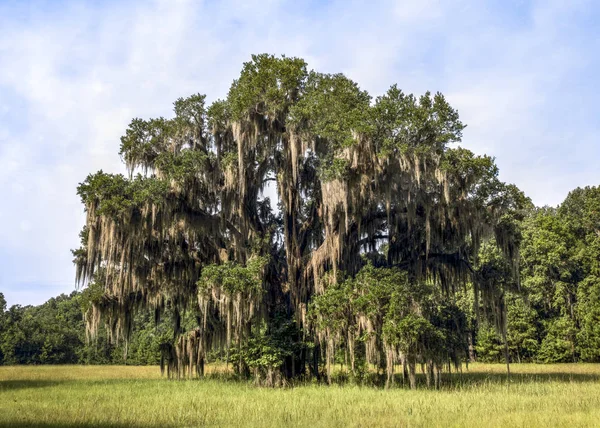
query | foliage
(555,315)
(47,334)
(268,348)
(54,333)
(381,306)
(378,223)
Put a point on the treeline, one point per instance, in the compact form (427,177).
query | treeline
(55,333)
(553,316)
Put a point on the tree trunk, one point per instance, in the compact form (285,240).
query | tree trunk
(506,357)
(472,357)
(201,367)
(429,374)
(389,368)
(329,357)
(412,376)
(316,354)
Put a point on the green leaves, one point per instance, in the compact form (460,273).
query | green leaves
(374,288)
(559,264)
(267,86)
(109,190)
(412,334)
(270,344)
(233,278)
(113,195)
(184,166)
(190,114)
(405,315)
(353,176)
(333,108)
(402,123)
(333,309)
(145,141)
(368,294)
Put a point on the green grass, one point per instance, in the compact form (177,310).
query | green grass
(538,395)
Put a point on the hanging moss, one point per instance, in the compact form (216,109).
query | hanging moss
(189,225)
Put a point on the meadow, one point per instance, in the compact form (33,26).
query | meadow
(119,396)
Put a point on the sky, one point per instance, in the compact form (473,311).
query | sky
(522,74)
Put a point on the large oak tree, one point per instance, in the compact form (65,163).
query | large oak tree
(371,197)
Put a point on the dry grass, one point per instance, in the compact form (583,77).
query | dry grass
(538,395)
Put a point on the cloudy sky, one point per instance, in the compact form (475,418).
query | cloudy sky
(523,75)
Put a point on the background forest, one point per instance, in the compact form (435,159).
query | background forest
(553,317)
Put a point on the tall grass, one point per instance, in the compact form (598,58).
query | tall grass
(537,395)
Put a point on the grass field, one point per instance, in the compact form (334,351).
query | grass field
(116,396)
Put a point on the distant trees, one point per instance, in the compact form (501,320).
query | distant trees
(45,334)
(385,243)
(555,317)
(54,333)
(3,323)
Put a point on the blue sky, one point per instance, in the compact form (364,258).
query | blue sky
(523,75)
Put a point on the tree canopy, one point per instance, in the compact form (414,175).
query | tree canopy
(377,221)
